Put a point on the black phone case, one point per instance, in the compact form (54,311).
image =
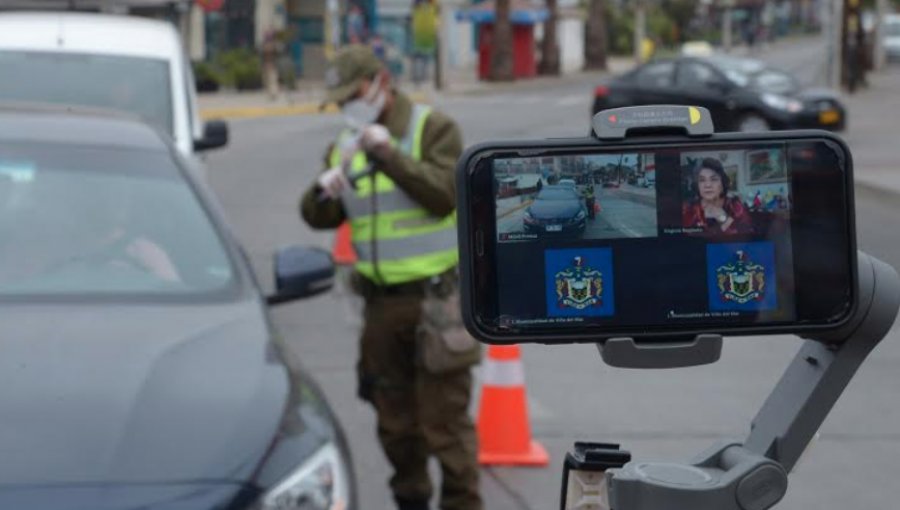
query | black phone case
(529,148)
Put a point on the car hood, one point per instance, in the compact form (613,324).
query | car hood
(119,496)
(553,209)
(136,393)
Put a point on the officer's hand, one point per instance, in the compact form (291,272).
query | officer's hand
(376,140)
(333,182)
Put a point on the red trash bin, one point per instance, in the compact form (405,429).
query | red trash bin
(524,61)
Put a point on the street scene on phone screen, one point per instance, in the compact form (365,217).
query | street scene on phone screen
(579,197)
(200,264)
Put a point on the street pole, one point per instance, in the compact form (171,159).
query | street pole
(332,27)
(640,27)
(881,7)
(440,49)
(727,25)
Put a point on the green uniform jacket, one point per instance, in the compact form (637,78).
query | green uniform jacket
(430,182)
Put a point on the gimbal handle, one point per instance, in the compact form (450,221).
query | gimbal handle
(753,475)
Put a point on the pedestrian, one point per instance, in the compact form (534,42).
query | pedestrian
(401,212)
(425,21)
(357,33)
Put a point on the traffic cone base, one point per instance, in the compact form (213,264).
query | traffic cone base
(535,456)
(504,435)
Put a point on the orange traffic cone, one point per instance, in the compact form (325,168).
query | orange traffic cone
(504,436)
(343,252)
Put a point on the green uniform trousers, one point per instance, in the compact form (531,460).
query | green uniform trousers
(419,414)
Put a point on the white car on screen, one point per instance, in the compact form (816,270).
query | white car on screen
(129,64)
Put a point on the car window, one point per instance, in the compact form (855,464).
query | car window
(136,85)
(76,220)
(557,194)
(696,76)
(892,29)
(777,82)
(657,75)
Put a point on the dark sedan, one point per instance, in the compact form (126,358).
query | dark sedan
(139,369)
(556,210)
(741,94)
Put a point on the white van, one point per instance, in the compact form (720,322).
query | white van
(102,61)
(891,40)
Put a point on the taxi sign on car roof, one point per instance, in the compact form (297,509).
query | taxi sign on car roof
(615,123)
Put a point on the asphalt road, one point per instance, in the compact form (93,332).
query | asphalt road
(572,395)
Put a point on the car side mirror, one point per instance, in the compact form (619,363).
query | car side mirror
(215,135)
(301,272)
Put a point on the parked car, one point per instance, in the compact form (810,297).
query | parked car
(139,368)
(741,94)
(105,61)
(891,38)
(558,209)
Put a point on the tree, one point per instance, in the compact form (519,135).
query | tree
(550,47)
(501,44)
(595,36)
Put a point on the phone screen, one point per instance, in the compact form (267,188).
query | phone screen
(632,240)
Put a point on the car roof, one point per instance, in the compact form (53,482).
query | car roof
(77,126)
(88,33)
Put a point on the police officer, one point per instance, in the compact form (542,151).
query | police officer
(391,175)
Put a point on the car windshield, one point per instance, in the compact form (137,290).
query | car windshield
(136,85)
(557,194)
(754,74)
(82,220)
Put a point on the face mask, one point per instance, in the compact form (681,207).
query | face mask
(364,111)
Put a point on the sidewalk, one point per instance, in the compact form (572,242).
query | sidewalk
(873,132)
(307,99)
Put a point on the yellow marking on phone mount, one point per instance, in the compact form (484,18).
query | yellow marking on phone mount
(695,115)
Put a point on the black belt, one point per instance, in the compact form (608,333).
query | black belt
(414,288)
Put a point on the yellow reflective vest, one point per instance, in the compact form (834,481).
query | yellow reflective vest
(395,238)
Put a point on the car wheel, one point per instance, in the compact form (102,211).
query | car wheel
(752,122)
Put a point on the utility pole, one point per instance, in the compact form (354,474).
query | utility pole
(832,14)
(727,24)
(332,27)
(852,68)
(881,10)
(440,48)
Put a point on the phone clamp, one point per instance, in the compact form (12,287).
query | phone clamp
(668,353)
(618,123)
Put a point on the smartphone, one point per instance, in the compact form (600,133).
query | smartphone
(577,240)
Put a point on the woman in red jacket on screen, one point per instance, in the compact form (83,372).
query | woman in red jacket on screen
(711,208)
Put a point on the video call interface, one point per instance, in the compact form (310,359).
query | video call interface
(644,238)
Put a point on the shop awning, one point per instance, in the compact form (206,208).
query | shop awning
(521,13)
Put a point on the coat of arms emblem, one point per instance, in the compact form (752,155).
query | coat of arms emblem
(579,286)
(741,280)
